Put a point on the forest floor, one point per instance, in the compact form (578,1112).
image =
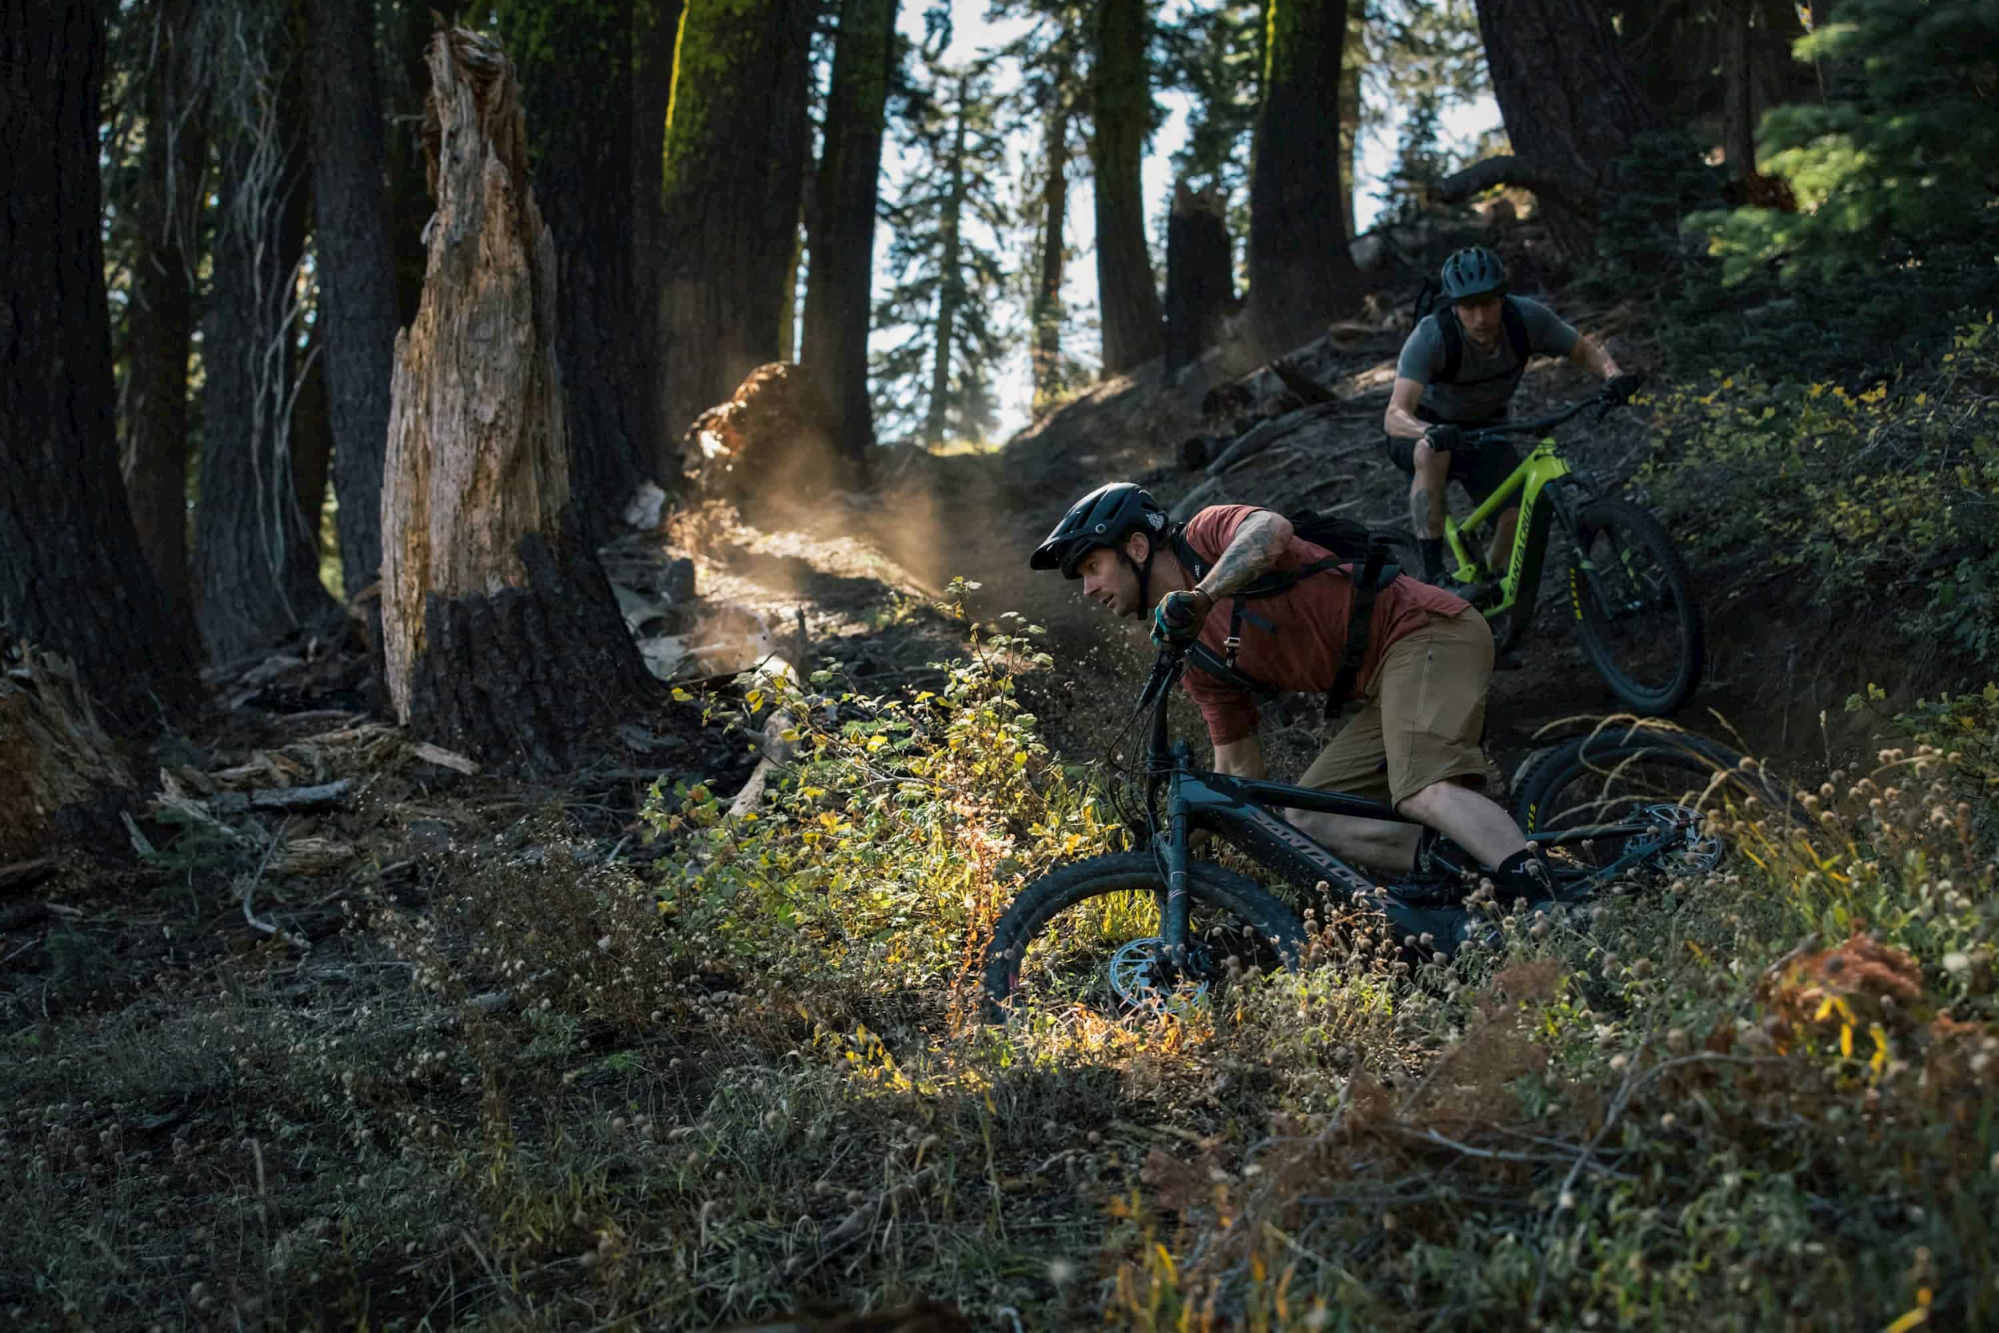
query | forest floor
(453,1073)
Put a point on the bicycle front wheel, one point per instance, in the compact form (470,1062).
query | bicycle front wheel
(1087,932)
(1637,619)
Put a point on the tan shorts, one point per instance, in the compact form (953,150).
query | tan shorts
(1425,711)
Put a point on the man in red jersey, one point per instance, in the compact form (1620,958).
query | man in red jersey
(1422,677)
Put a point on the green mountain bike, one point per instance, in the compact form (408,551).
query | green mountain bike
(1635,615)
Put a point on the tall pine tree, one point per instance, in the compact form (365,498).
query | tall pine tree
(948,281)
(838,295)
(1122,109)
(1301,272)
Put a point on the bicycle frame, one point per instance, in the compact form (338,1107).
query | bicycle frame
(1542,467)
(1245,813)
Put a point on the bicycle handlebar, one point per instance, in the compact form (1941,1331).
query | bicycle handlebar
(1614,394)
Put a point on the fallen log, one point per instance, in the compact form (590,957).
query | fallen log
(280,799)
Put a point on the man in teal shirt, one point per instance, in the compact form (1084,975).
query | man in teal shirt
(1458,371)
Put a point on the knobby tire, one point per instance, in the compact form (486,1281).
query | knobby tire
(1126,872)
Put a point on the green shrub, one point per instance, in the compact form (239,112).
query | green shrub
(1885,497)
(905,827)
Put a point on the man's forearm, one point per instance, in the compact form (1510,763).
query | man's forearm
(1249,556)
(1403,425)
(1590,354)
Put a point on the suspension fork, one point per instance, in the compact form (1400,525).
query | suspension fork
(1174,910)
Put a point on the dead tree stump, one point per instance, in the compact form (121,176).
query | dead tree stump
(501,636)
(53,750)
(1200,276)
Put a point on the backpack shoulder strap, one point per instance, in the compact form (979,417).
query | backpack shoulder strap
(1454,345)
(1515,324)
(1376,574)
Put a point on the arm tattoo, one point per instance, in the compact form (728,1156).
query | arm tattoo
(1252,552)
(1422,518)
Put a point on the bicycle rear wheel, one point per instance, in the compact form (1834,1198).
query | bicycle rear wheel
(1640,775)
(1636,616)
(1082,931)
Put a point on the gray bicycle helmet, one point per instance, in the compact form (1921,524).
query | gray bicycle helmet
(1473,271)
(1104,517)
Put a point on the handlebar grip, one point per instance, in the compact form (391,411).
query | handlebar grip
(1621,387)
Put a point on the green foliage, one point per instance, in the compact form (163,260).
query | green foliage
(908,826)
(1899,155)
(1641,245)
(1885,498)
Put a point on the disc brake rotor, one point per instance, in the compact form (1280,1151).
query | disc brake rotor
(1696,851)
(1136,974)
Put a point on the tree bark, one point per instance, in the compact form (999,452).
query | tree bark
(1570,104)
(72,576)
(574,61)
(1121,97)
(1047,351)
(951,289)
(736,136)
(409,192)
(1353,59)
(312,447)
(1301,273)
(656,29)
(501,636)
(357,291)
(160,323)
(1200,276)
(256,557)
(839,292)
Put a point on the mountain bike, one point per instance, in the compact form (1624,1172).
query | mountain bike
(1635,614)
(1159,925)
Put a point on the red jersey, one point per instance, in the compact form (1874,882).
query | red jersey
(1301,651)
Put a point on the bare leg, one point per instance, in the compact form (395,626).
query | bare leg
(1372,842)
(1426,490)
(1467,818)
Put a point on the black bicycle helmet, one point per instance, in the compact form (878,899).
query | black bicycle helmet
(1104,517)
(1473,271)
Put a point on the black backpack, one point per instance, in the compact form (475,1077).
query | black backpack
(1351,544)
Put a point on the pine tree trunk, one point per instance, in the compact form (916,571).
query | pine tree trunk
(1121,94)
(72,576)
(501,637)
(1571,109)
(574,59)
(256,558)
(1047,351)
(656,25)
(1200,277)
(1301,273)
(736,137)
(160,323)
(357,293)
(312,437)
(1353,59)
(951,288)
(839,292)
